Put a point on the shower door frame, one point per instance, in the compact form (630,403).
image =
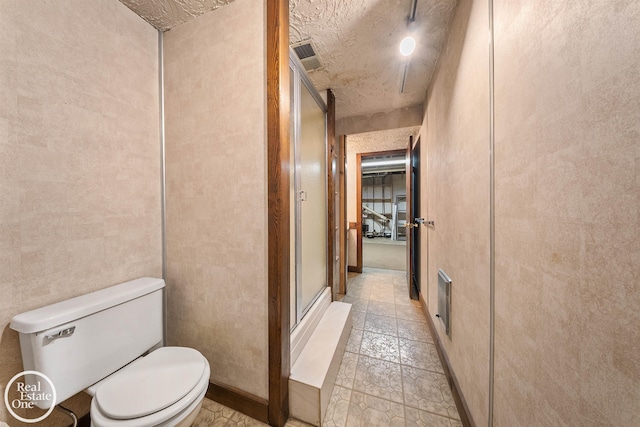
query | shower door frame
(298,78)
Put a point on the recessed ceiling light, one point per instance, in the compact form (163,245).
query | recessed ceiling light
(407,46)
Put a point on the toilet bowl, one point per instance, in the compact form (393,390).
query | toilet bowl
(110,343)
(165,388)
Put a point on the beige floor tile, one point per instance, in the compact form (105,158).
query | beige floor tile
(400,280)
(213,414)
(416,331)
(347,371)
(358,318)
(359,290)
(368,411)
(214,406)
(418,418)
(207,418)
(381,324)
(382,308)
(428,391)
(338,408)
(382,296)
(356,303)
(401,296)
(380,346)
(422,355)
(410,312)
(383,285)
(379,378)
(355,340)
(241,420)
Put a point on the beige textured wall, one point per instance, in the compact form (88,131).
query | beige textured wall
(567,230)
(368,142)
(395,119)
(567,213)
(454,153)
(216,192)
(79,158)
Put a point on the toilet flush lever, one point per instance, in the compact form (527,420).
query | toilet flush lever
(61,333)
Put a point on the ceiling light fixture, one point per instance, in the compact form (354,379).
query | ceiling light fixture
(389,162)
(407,46)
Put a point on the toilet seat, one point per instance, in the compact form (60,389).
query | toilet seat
(159,389)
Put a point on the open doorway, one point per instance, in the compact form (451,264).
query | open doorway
(356,147)
(383,205)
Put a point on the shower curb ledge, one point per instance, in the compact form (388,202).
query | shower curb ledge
(314,373)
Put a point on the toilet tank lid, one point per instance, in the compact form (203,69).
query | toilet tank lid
(62,312)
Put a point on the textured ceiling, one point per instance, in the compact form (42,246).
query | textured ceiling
(165,14)
(357,41)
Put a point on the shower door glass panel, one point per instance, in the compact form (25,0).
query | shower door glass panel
(292,202)
(313,199)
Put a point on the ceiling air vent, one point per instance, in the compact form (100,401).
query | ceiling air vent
(306,52)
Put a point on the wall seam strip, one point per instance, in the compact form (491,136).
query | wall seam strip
(162,152)
(492,219)
(163,199)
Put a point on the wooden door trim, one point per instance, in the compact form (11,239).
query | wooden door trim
(358,171)
(342,227)
(278,166)
(383,153)
(359,213)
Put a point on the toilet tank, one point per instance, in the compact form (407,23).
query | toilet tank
(79,341)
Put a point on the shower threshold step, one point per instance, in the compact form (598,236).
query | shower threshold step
(314,373)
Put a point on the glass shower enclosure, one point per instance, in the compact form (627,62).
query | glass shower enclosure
(308,192)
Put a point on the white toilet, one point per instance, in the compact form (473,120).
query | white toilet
(109,343)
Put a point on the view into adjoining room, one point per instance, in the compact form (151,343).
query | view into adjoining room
(384,210)
(376,180)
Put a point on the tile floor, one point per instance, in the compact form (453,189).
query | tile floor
(390,374)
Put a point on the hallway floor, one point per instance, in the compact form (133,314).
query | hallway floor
(390,374)
(384,254)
